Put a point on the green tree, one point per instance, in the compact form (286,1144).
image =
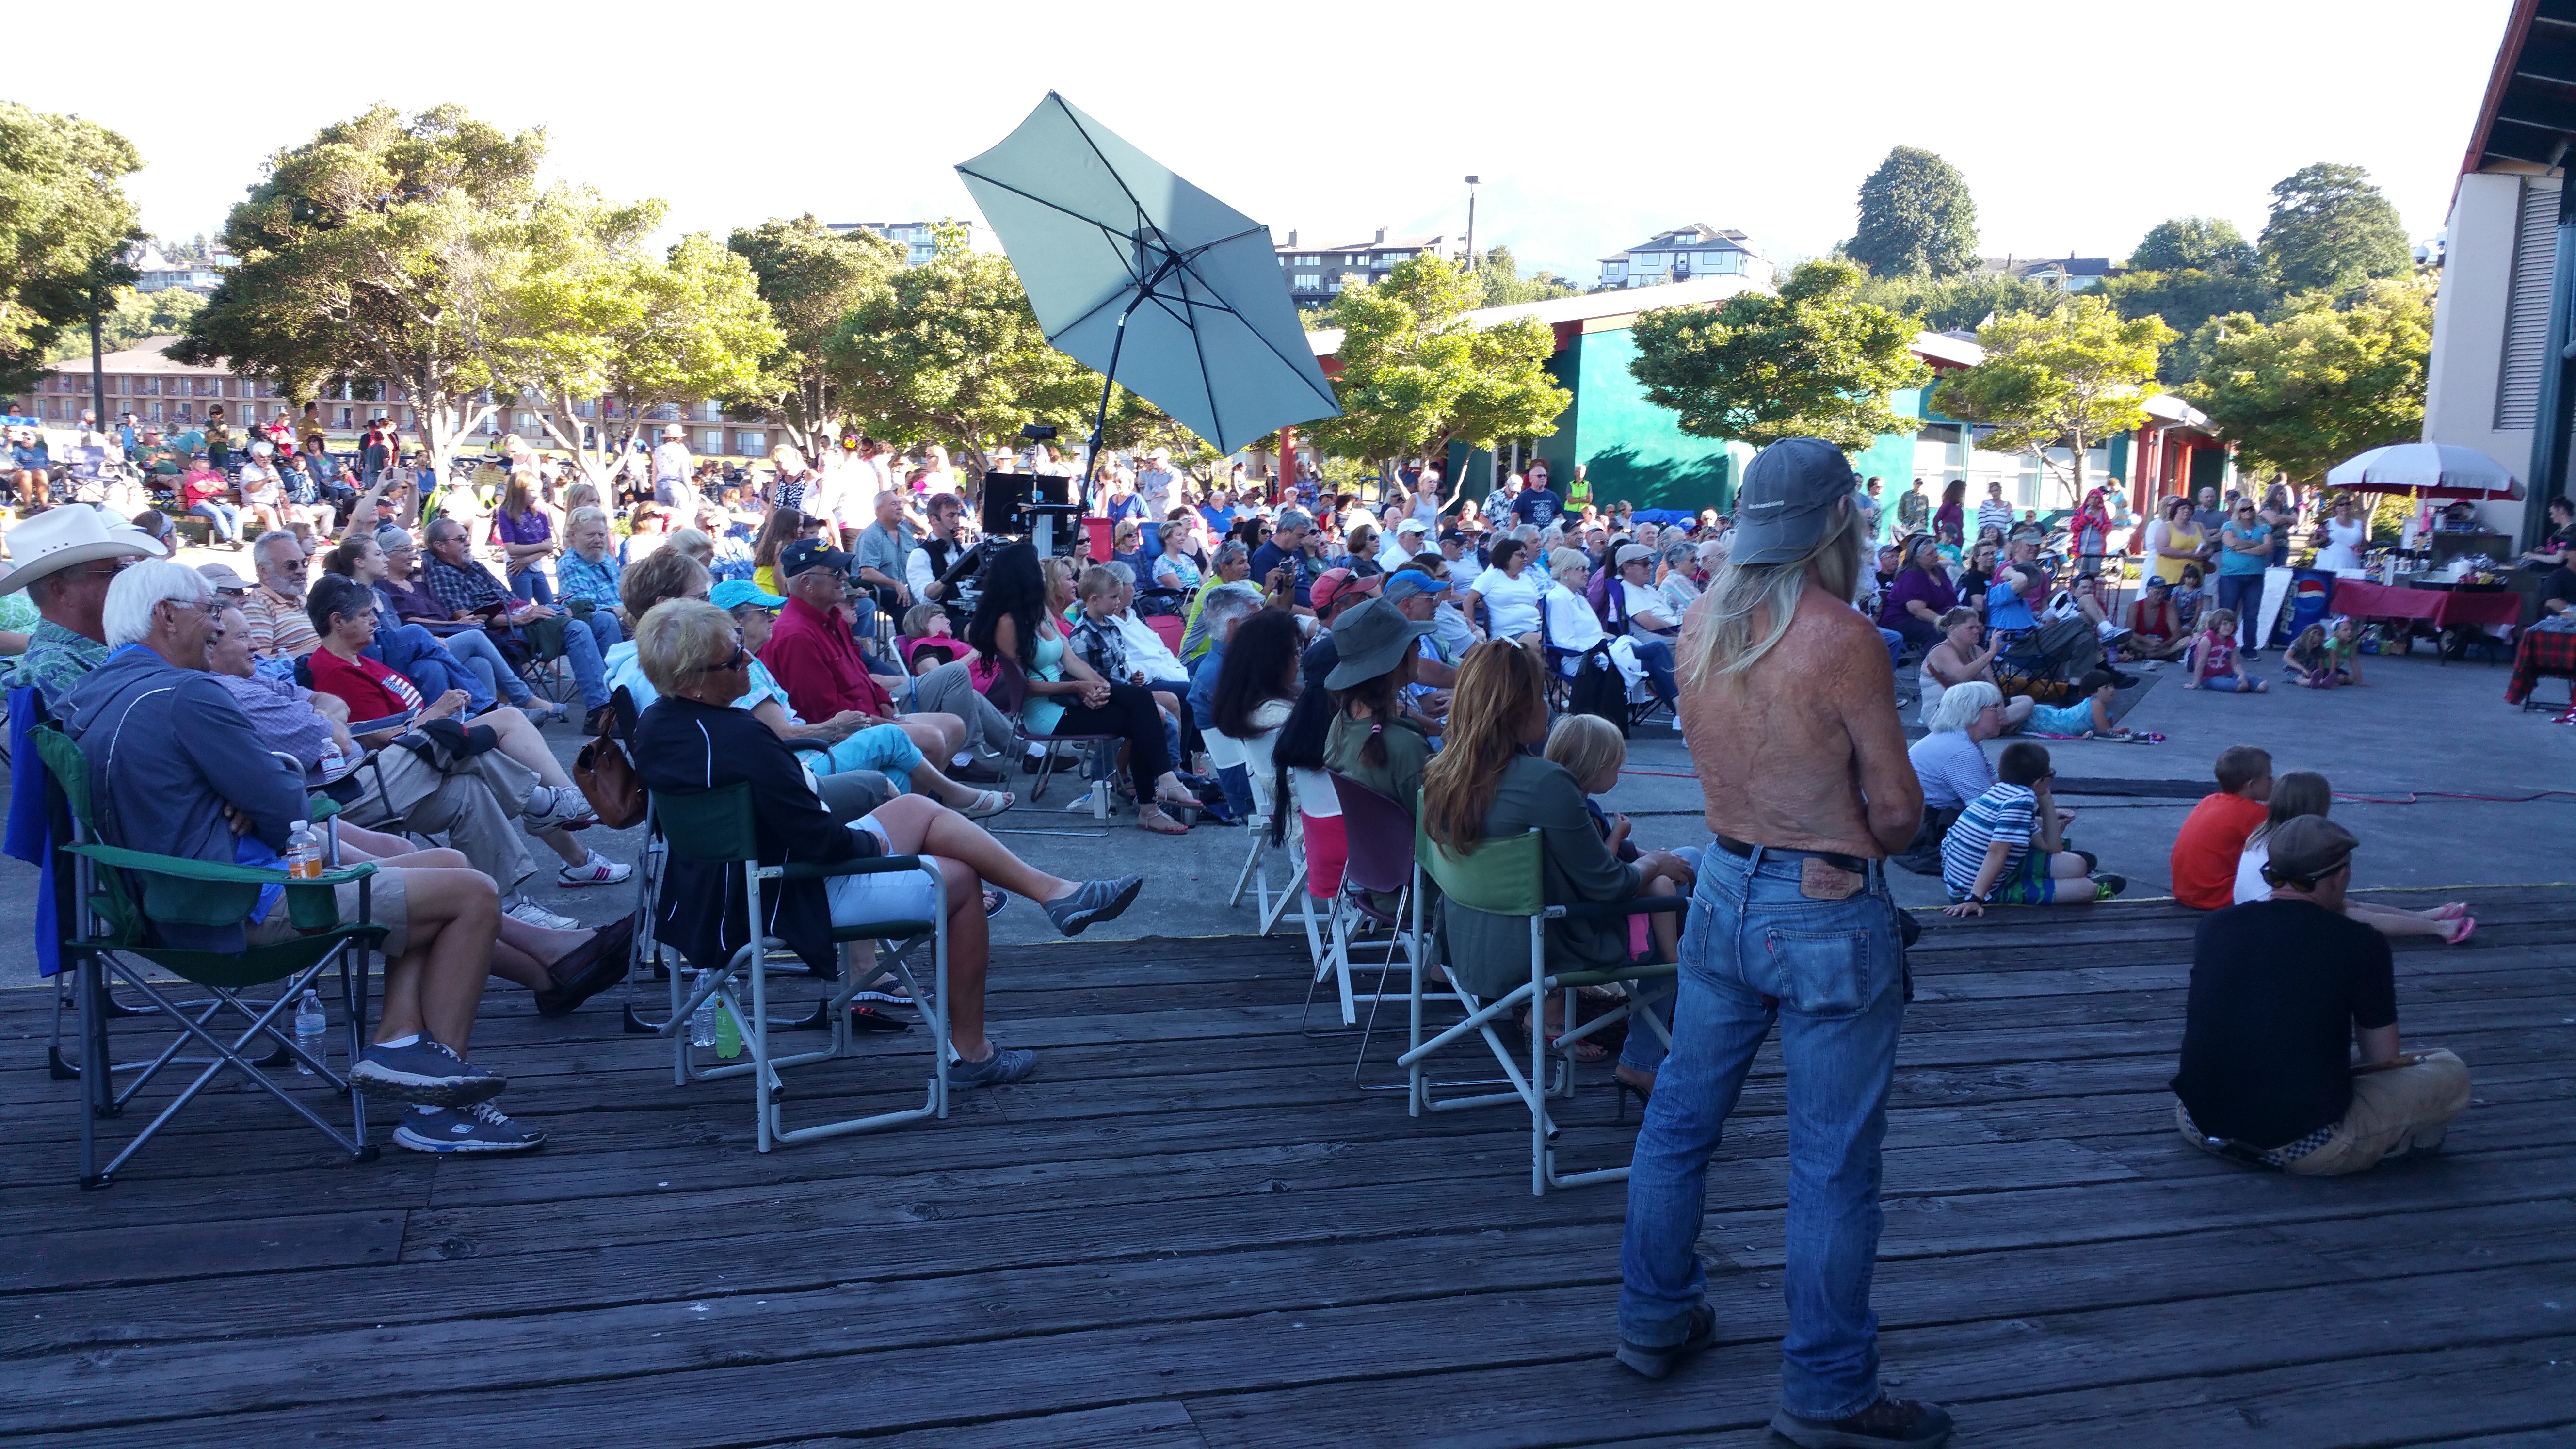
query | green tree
(1915,216)
(950,350)
(2184,299)
(1958,304)
(134,317)
(2073,378)
(1417,376)
(2332,230)
(194,252)
(2193,244)
(812,278)
(1499,272)
(2315,385)
(362,252)
(586,312)
(64,223)
(1812,362)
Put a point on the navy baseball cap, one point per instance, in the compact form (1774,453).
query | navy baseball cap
(809,553)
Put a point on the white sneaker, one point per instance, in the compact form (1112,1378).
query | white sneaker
(528,912)
(552,807)
(598,870)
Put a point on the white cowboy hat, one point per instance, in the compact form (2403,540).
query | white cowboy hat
(58,538)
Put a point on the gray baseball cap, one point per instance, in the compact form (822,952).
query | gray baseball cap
(1789,493)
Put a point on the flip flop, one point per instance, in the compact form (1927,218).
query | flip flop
(2467,926)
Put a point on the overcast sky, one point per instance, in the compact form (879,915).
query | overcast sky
(2077,126)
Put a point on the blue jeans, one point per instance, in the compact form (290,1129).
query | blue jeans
(1895,656)
(1657,656)
(583,647)
(1753,948)
(225,518)
(418,655)
(483,659)
(2244,594)
(535,584)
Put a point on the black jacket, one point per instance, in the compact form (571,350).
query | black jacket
(683,747)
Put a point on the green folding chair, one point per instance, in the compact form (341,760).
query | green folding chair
(1505,877)
(116,895)
(716,827)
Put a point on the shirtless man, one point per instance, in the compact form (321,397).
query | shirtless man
(1792,728)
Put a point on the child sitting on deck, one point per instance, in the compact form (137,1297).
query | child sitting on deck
(2212,662)
(2309,662)
(2008,847)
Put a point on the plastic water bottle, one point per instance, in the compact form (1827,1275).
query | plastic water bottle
(310,1024)
(728,1034)
(702,1022)
(304,852)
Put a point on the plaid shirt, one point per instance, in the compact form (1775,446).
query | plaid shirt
(1101,646)
(470,587)
(578,578)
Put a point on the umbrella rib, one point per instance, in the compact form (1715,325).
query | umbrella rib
(1105,164)
(1107,229)
(1284,359)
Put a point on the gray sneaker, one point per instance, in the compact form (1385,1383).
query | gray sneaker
(479,1128)
(1890,1423)
(550,807)
(1093,901)
(424,1073)
(1004,1066)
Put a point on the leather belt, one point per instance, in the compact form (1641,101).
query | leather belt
(1836,859)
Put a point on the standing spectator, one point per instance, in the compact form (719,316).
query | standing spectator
(1156,485)
(1498,503)
(2213,836)
(1538,507)
(671,464)
(1791,723)
(2089,532)
(524,526)
(219,438)
(2209,515)
(1285,566)
(2244,551)
(1913,510)
(2280,991)
(1578,489)
(1994,513)
(1950,521)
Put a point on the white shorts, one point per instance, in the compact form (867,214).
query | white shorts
(893,895)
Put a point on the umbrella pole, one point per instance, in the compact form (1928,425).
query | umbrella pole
(1108,381)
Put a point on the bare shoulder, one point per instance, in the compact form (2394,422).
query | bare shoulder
(1829,623)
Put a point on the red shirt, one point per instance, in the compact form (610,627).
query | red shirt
(2206,849)
(373,691)
(819,665)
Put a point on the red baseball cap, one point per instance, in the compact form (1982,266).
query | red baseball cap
(1340,584)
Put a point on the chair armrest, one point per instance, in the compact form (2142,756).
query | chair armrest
(865,865)
(187,869)
(807,743)
(378,726)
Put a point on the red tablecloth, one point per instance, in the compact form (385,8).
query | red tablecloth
(2543,653)
(2439,607)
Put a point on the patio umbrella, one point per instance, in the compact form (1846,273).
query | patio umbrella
(2430,470)
(1146,278)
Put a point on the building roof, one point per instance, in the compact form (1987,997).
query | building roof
(147,357)
(2071,265)
(2529,112)
(1701,236)
(1606,308)
(1393,243)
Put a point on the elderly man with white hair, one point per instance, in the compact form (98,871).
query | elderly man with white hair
(1951,762)
(177,768)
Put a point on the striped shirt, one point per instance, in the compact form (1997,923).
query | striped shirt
(2004,812)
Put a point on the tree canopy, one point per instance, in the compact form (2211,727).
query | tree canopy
(812,278)
(1961,303)
(951,349)
(64,223)
(361,253)
(2072,377)
(2317,385)
(1499,272)
(1416,376)
(1915,217)
(2184,300)
(2193,244)
(1812,362)
(134,317)
(2331,229)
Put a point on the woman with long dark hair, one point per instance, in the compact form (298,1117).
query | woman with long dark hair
(1256,691)
(1016,616)
(1950,521)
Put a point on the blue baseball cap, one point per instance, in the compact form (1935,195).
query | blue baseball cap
(1406,583)
(732,594)
(811,553)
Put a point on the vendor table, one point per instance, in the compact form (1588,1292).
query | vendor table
(2543,654)
(2439,607)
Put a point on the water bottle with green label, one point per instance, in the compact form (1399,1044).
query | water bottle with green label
(728,1033)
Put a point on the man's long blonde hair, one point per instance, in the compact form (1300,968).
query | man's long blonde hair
(1721,640)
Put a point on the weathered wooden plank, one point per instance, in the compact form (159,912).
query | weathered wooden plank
(213,1248)
(1122,1426)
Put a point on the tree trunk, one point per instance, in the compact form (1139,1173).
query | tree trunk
(2081,452)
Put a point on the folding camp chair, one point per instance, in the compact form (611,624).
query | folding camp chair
(549,671)
(1505,877)
(1226,752)
(1009,690)
(112,899)
(716,827)
(1375,831)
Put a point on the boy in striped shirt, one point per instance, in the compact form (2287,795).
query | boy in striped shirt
(2008,846)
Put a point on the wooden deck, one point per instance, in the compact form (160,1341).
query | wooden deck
(1192,1231)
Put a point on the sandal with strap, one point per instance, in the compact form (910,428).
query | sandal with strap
(985,807)
(1155,821)
(2460,932)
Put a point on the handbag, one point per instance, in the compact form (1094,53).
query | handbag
(608,781)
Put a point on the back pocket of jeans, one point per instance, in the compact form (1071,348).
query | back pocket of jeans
(1819,973)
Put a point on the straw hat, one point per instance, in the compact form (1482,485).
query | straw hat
(59,538)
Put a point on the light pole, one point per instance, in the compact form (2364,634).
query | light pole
(1471,223)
